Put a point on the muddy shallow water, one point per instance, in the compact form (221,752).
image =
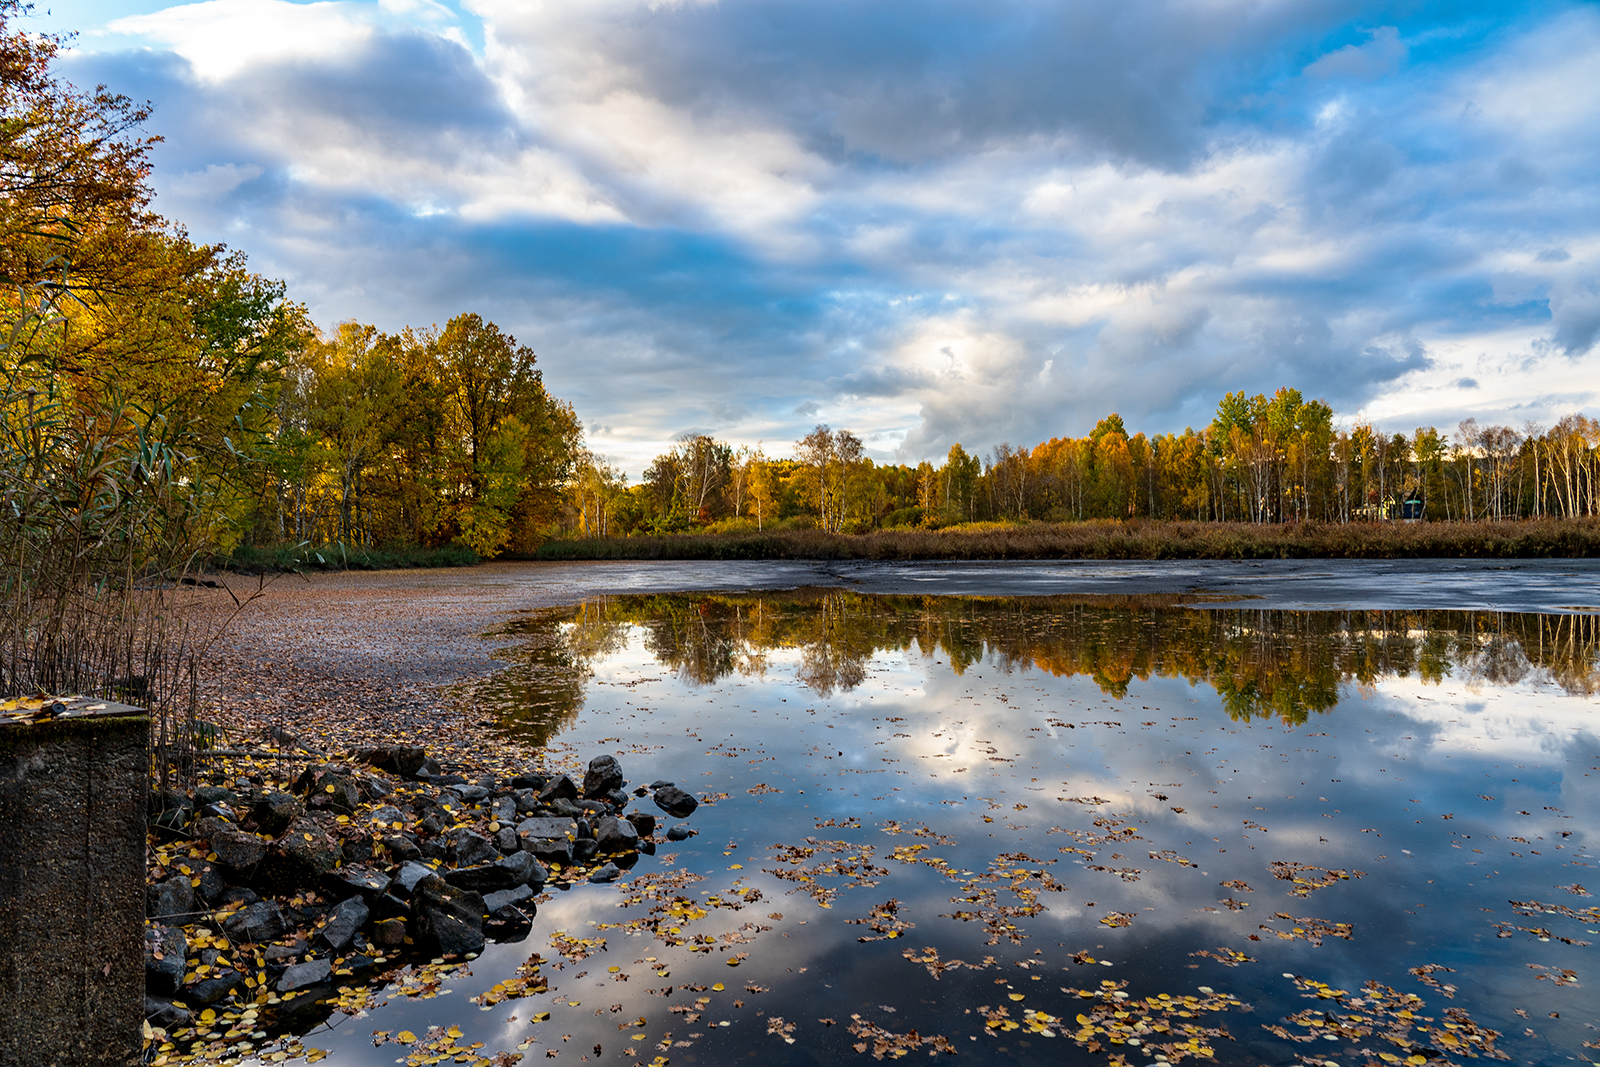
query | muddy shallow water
(1026,830)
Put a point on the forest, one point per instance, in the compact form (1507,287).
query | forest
(162,401)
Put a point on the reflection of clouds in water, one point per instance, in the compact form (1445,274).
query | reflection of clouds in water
(1527,721)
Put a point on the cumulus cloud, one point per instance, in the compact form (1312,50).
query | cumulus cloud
(929,222)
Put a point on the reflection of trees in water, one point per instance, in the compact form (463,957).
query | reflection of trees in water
(1263,664)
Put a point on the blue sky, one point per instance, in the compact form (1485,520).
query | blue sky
(928,221)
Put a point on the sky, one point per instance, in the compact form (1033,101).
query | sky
(925,221)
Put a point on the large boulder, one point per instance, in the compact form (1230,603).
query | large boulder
(346,921)
(256,923)
(603,776)
(165,951)
(615,835)
(675,802)
(446,920)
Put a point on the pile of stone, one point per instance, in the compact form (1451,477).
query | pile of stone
(354,865)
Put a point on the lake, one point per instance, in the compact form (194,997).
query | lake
(1097,830)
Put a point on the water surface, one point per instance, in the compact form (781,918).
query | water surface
(986,827)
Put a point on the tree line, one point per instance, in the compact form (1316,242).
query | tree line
(1261,459)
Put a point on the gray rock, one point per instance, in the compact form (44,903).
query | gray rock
(171,898)
(165,950)
(563,806)
(616,835)
(305,852)
(403,760)
(604,775)
(273,812)
(355,878)
(609,873)
(386,815)
(347,919)
(211,885)
(208,825)
(279,953)
(527,801)
(258,922)
(403,847)
(373,787)
(389,933)
(472,849)
(617,799)
(662,783)
(531,781)
(301,975)
(329,790)
(675,802)
(679,833)
(563,788)
(446,919)
(484,877)
(585,848)
(410,873)
(161,1012)
(548,827)
(215,794)
(505,898)
(506,840)
(503,810)
(525,868)
(239,895)
(212,988)
(238,849)
(472,794)
(643,823)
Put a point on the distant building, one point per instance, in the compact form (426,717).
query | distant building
(1412,508)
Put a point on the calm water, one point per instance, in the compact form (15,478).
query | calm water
(1024,831)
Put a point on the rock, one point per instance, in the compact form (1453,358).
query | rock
(547,835)
(534,782)
(446,779)
(212,988)
(640,791)
(279,953)
(585,848)
(616,835)
(373,787)
(305,852)
(301,975)
(506,840)
(525,868)
(215,794)
(675,802)
(584,830)
(274,811)
(165,950)
(392,905)
(662,783)
(355,878)
(595,807)
(403,847)
(171,898)
(211,885)
(171,823)
(161,800)
(403,760)
(206,825)
(679,833)
(505,898)
(445,919)
(239,895)
(386,815)
(617,799)
(389,933)
(483,878)
(562,788)
(471,849)
(472,794)
(238,849)
(409,874)
(527,801)
(503,810)
(604,775)
(258,922)
(645,824)
(348,918)
(335,793)
(165,1014)
(563,806)
(609,873)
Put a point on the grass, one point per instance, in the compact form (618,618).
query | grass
(1530,539)
(271,558)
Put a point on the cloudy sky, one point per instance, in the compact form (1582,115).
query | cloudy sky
(928,221)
